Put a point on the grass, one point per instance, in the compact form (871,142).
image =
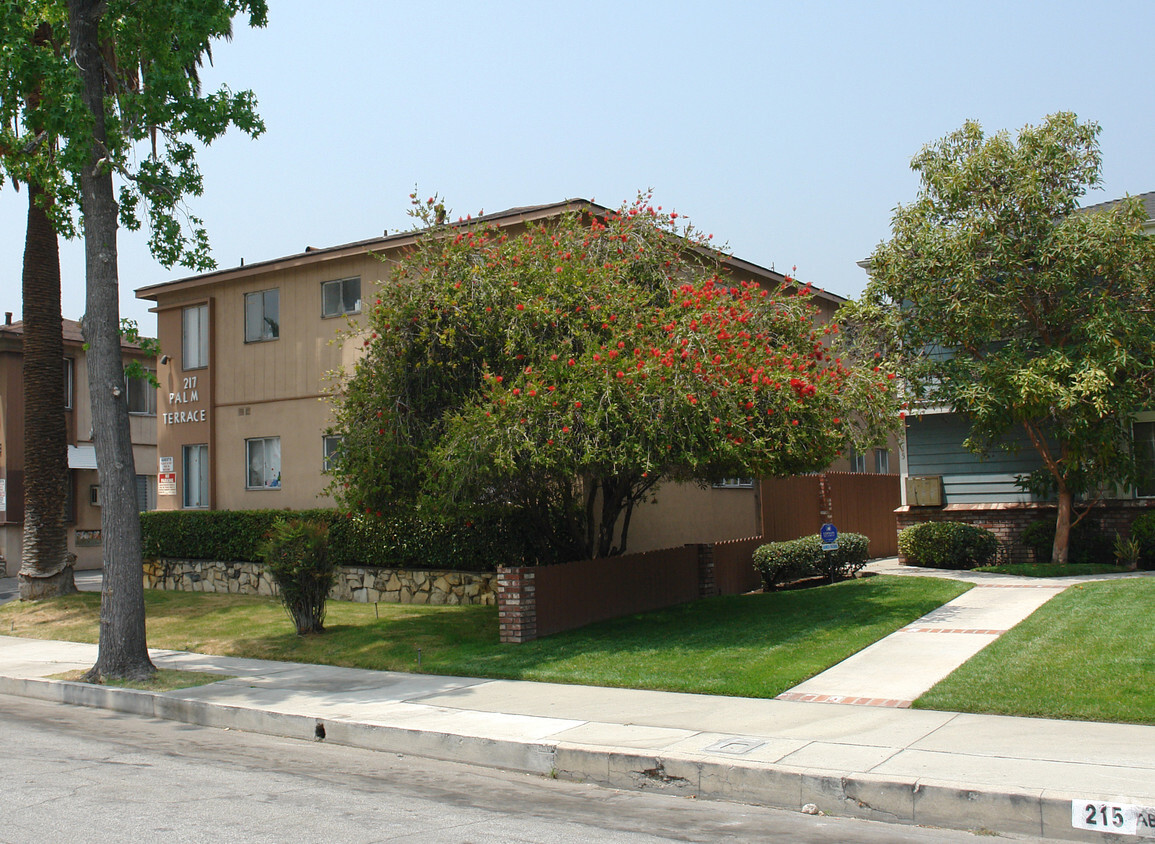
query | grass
(164,680)
(746,645)
(1087,654)
(1052,570)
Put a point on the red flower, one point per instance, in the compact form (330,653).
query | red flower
(520,306)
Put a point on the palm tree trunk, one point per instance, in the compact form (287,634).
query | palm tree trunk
(46,564)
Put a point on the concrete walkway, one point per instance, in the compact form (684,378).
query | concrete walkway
(896,670)
(1018,776)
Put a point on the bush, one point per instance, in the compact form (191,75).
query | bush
(948,545)
(397,540)
(296,554)
(1143,530)
(1087,543)
(795,559)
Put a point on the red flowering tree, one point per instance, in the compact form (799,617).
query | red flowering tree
(563,370)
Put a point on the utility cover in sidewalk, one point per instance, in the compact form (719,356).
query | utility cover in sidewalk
(734,746)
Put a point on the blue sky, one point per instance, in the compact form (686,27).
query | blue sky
(785,129)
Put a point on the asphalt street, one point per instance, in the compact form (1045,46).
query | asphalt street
(83,775)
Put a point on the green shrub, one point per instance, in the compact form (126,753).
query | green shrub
(795,559)
(296,553)
(1143,531)
(1087,542)
(397,540)
(948,545)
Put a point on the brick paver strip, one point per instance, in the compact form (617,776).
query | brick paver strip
(889,703)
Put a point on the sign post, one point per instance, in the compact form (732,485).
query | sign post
(829,536)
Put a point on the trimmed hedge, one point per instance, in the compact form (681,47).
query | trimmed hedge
(1087,542)
(1143,530)
(795,559)
(948,545)
(396,541)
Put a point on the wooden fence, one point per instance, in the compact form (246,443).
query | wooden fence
(855,502)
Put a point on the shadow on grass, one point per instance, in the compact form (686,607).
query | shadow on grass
(749,645)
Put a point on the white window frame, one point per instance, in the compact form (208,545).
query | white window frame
(882,461)
(857,461)
(142,383)
(735,483)
(69,381)
(94,495)
(194,334)
(329,445)
(269,304)
(343,308)
(269,458)
(200,500)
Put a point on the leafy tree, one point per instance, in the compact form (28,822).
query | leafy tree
(565,369)
(995,296)
(126,76)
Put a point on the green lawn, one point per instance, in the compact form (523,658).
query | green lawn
(747,645)
(1052,570)
(1087,654)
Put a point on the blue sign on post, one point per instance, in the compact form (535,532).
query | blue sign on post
(829,536)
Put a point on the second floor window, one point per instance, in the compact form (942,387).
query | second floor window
(68,383)
(141,395)
(264,458)
(262,315)
(341,297)
(195,337)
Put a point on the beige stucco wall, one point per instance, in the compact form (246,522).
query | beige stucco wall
(687,513)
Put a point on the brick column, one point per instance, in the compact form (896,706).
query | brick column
(707,585)
(516,604)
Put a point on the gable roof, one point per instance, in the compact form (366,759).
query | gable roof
(73,333)
(510,216)
(1148,200)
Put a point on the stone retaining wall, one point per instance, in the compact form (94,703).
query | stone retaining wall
(354,583)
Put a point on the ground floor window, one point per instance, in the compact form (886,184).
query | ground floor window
(1144,434)
(330,445)
(882,461)
(196,475)
(735,483)
(263,456)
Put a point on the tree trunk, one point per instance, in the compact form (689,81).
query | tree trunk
(46,564)
(1063,527)
(123,652)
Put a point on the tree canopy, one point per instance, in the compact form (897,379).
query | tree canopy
(565,368)
(998,297)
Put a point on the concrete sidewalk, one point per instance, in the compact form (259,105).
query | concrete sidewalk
(900,668)
(1011,775)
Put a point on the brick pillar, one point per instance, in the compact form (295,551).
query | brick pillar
(707,585)
(516,604)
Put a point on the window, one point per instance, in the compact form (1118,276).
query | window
(329,446)
(857,460)
(341,297)
(141,395)
(735,483)
(196,475)
(195,337)
(145,498)
(262,315)
(68,383)
(882,461)
(264,460)
(1144,434)
(94,495)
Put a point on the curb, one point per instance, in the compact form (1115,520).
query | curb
(923,802)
